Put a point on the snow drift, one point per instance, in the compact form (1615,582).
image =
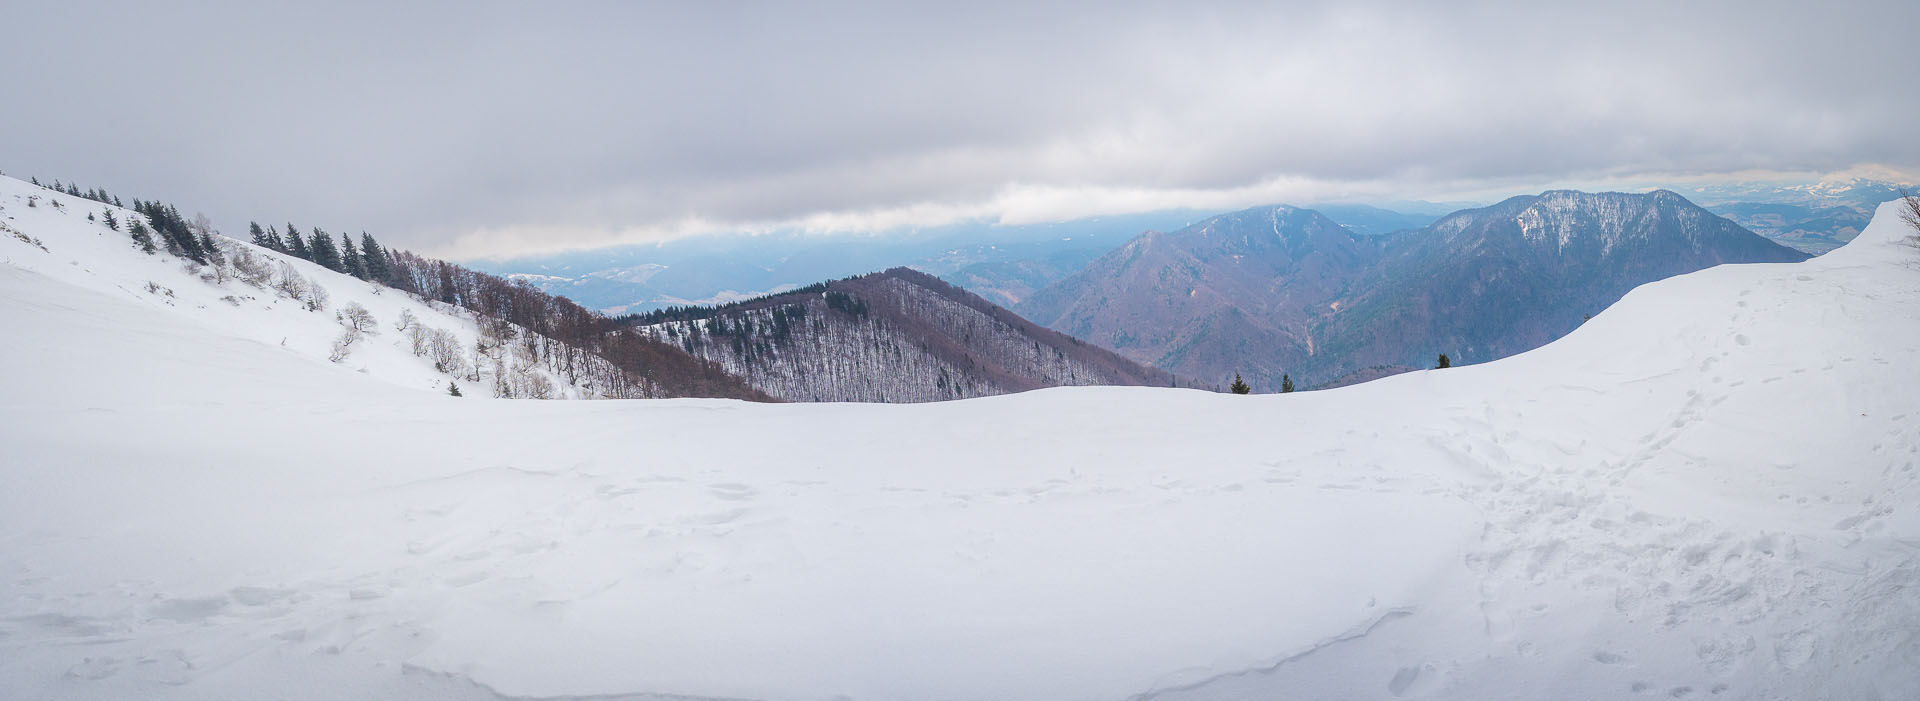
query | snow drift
(1706,490)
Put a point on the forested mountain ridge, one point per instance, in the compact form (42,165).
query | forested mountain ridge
(894,336)
(1280,292)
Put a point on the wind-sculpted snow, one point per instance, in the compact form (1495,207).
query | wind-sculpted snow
(1708,491)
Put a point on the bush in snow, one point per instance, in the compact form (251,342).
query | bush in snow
(251,269)
(316,298)
(343,344)
(357,317)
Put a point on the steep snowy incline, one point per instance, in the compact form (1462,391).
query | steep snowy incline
(50,233)
(1706,491)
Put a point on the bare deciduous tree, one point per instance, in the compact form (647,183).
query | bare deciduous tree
(1910,211)
(343,344)
(357,317)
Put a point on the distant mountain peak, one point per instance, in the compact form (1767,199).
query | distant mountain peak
(1277,290)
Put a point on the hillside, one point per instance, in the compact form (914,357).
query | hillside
(1703,492)
(1279,291)
(1234,293)
(894,336)
(324,316)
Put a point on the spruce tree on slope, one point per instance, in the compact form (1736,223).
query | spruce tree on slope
(323,251)
(375,259)
(1286,383)
(350,258)
(1239,386)
(142,238)
(1445,362)
(297,244)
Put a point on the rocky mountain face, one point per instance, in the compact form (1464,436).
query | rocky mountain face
(1275,291)
(893,336)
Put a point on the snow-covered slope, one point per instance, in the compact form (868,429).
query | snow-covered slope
(1708,491)
(55,238)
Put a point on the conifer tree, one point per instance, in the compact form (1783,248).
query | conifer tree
(375,259)
(1286,383)
(112,223)
(297,244)
(1445,362)
(141,238)
(350,258)
(1239,386)
(258,235)
(323,250)
(453,389)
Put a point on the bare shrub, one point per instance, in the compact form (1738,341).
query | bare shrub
(359,318)
(343,344)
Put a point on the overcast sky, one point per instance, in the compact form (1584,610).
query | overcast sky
(471,129)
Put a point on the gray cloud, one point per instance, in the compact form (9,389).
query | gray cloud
(477,129)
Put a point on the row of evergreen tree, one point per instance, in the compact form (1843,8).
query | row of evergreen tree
(190,239)
(95,194)
(367,261)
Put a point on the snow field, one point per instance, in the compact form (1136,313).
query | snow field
(1705,492)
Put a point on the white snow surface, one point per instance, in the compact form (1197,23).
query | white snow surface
(89,255)
(1707,491)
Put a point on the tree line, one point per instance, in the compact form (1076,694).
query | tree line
(574,335)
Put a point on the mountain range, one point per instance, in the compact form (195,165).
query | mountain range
(1280,292)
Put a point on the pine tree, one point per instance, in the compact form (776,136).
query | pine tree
(112,223)
(1239,386)
(257,235)
(453,389)
(324,252)
(1445,362)
(350,258)
(141,238)
(375,259)
(1286,383)
(297,244)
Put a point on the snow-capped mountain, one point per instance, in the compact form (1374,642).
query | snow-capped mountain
(898,335)
(1278,293)
(1704,492)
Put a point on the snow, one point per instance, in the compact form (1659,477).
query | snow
(1706,490)
(91,256)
